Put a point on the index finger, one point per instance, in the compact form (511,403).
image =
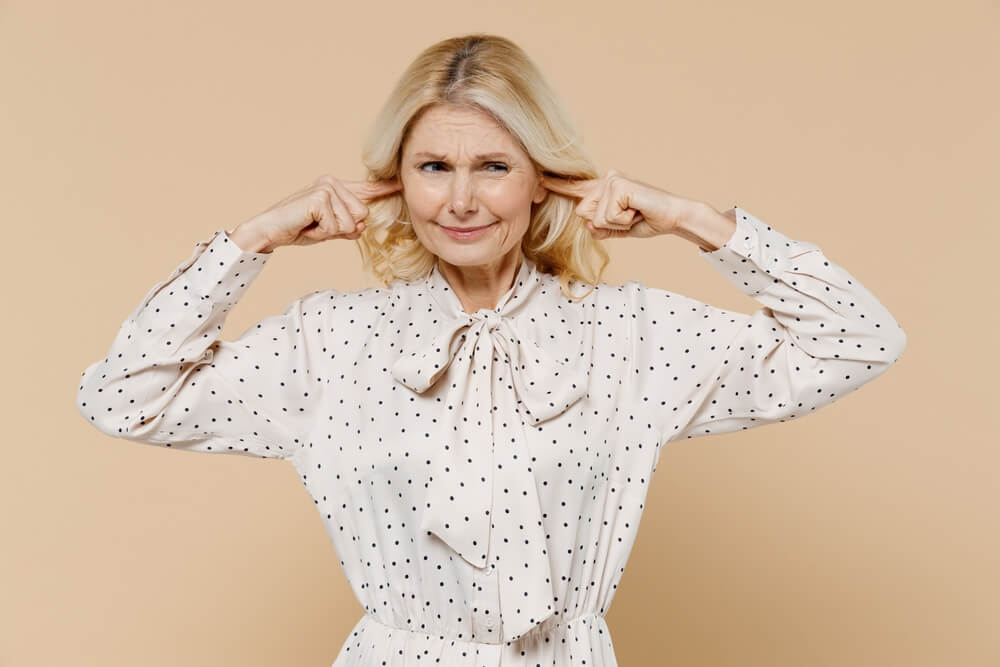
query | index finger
(368,190)
(565,186)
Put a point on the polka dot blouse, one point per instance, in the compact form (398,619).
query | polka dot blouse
(482,475)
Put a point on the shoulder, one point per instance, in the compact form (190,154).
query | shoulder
(647,305)
(627,299)
(356,302)
(627,294)
(580,291)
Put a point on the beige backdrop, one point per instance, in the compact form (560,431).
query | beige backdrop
(863,535)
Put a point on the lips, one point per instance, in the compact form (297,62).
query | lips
(465,229)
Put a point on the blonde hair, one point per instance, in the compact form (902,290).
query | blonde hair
(492,74)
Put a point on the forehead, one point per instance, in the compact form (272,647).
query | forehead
(444,129)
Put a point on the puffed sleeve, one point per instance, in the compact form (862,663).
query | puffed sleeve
(819,334)
(168,380)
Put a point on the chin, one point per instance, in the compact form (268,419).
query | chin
(470,256)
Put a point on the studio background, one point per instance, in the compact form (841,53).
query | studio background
(864,534)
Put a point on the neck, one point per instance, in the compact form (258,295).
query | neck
(481,286)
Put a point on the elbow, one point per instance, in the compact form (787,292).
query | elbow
(88,404)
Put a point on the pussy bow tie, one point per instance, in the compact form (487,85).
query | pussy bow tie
(483,462)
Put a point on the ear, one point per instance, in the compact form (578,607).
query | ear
(540,193)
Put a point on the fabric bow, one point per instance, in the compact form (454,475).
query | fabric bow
(460,497)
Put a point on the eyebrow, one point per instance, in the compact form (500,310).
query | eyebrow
(482,156)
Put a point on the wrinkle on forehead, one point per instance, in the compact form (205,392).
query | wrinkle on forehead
(461,133)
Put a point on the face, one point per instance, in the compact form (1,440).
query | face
(461,170)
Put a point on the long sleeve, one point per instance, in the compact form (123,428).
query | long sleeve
(819,334)
(168,380)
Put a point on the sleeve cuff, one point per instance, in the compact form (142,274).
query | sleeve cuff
(756,255)
(218,272)
(223,271)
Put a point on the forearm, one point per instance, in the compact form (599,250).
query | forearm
(167,337)
(706,227)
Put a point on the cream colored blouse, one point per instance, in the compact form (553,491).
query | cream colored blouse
(482,476)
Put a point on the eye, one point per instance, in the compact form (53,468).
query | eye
(488,164)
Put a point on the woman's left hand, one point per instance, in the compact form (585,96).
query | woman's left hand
(616,206)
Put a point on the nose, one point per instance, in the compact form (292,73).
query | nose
(462,199)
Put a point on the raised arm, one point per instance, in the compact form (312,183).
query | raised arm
(819,334)
(168,380)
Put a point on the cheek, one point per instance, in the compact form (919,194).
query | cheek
(421,201)
(508,201)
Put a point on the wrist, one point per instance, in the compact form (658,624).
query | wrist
(249,241)
(706,227)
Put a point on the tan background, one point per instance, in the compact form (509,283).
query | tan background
(864,535)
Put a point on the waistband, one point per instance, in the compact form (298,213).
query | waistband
(587,643)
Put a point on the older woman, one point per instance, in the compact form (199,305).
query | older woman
(479,434)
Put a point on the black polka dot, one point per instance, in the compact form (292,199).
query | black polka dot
(482,475)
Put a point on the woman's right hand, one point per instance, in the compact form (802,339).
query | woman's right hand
(327,209)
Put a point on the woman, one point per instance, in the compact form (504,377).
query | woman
(479,434)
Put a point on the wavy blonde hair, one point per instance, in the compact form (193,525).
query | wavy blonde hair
(492,74)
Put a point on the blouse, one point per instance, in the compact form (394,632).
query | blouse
(482,476)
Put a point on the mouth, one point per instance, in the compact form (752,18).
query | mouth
(465,229)
(464,233)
